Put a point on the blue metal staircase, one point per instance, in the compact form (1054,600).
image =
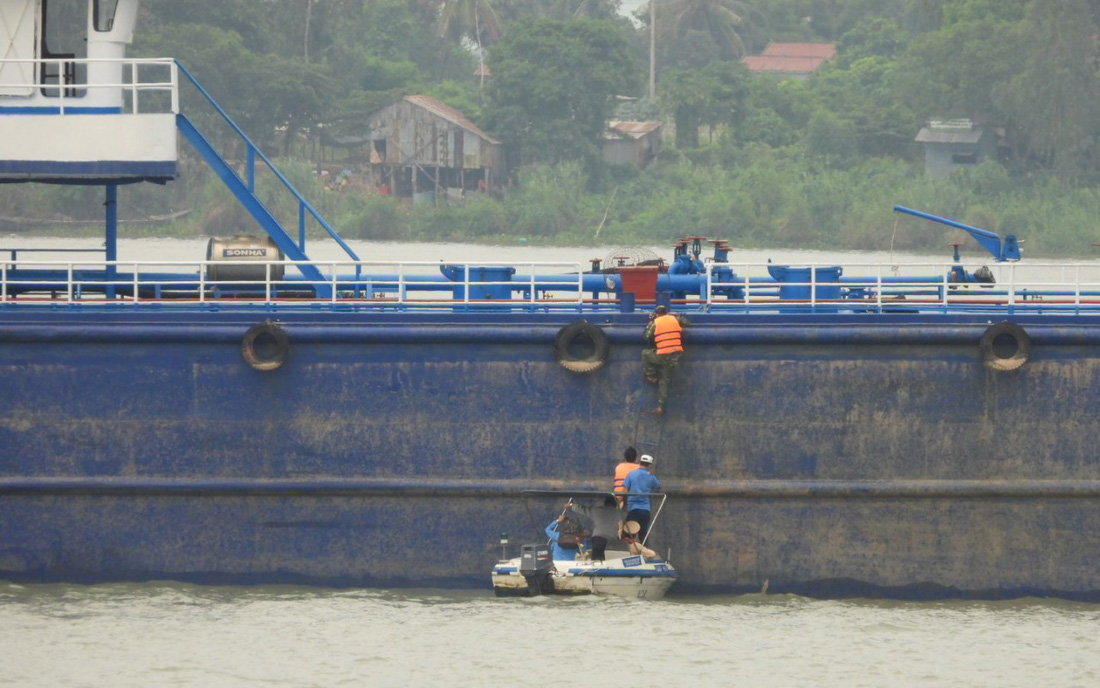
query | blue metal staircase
(245,192)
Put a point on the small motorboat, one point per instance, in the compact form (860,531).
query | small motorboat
(628,569)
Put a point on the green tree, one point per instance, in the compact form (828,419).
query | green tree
(831,139)
(554,84)
(1053,99)
(774,112)
(711,96)
(872,37)
(953,72)
(724,23)
(254,22)
(563,9)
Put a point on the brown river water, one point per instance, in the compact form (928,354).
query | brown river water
(166,634)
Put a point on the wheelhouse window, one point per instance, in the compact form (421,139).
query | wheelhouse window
(63,28)
(64,24)
(103,13)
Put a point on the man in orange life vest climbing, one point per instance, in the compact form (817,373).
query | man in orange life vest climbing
(664,331)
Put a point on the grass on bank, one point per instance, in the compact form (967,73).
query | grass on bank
(767,200)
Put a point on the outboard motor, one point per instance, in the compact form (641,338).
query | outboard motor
(535,565)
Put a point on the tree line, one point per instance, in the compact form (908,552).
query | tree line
(756,160)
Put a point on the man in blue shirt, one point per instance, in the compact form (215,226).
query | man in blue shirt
(642,481)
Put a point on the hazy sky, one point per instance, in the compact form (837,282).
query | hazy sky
(627,7)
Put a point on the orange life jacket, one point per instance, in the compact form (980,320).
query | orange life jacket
(621,471)
(666,335)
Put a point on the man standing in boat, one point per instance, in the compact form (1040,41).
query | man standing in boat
(640,484)
(664,331)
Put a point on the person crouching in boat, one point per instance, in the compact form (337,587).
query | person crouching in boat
(567,538)
(664,331)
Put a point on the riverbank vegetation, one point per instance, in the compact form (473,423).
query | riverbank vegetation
(759,161)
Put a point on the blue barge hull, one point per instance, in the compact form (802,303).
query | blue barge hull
(858,454)
(876,431)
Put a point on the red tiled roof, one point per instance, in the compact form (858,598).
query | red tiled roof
(786,65)
(824,50)
(790,58)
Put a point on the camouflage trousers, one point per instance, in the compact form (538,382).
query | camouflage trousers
(660,368)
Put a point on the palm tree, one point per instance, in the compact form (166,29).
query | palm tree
(724,21)
(588,9)
(305,41)
(473,19)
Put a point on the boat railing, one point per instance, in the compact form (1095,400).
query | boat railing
(400,285)
(13,253)
(1035,286)
(489,285)
(138,76)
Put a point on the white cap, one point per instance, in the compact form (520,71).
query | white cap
(646,458)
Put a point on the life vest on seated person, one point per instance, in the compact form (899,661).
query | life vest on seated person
(666,334)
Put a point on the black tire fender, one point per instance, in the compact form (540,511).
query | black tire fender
(1005,346)
(265,345)
(581,347)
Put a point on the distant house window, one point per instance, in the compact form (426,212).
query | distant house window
(965,158)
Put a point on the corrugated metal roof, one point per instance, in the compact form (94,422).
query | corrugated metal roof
(448,113)
(823,50)
(634,130)
(784,65)
(944,135)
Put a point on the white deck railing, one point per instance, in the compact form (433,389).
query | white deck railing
(420,284)
(146,75)
(375,283)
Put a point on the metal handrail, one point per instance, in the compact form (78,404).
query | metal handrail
(544,283)
(134,86)
(251,153)
(70,278)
